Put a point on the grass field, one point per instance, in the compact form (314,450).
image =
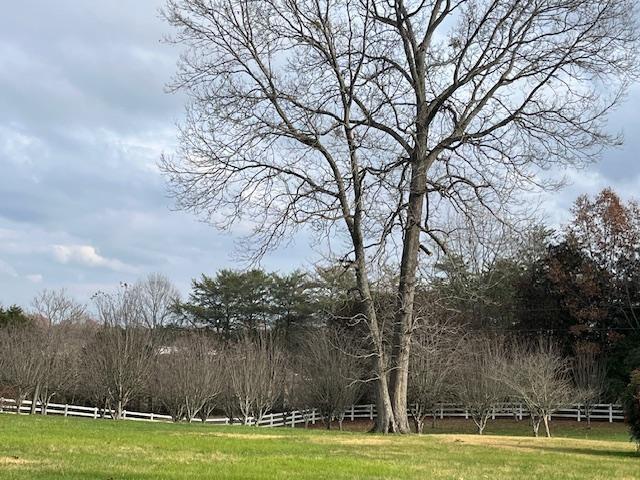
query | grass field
(52,447)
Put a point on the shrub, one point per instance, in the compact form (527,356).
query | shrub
(632,406)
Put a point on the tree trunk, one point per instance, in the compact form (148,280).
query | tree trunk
(19,400)
(481,424)
(403,326)
(535,424)
(34,399)
(545,418)
(46,400)
(419,421)
(385,421)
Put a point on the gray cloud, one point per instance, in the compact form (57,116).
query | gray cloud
(83,120)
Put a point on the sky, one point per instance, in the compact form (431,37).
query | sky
(84,118)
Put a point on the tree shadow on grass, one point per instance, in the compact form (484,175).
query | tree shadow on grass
(617,454)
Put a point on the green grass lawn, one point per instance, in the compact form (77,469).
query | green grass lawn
(33,447)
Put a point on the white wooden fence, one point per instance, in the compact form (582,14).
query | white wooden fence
(607,412)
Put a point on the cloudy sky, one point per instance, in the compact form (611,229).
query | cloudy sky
(83,121)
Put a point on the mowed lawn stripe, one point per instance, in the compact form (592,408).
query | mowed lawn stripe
(34,447)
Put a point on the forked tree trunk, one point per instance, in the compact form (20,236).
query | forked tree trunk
(481,423)
(403,326)
(535,424)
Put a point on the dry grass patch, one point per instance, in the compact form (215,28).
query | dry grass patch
(246,436)
(17,462)
(532,444)
(354,441)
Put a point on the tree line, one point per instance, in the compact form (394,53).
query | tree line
(569,295)
(190,373)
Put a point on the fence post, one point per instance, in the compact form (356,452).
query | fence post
(1,404)
(579,413)
(520,413)
(466,414)
(66,409)
(493,413)
(353,412)
(95,412)
(441,411)
(124,414)
(313,416)
(371,411)
(293,419)
(151,417)
(610,413)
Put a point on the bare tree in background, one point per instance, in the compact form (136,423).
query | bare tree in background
(589,376)
(158,297)
(188,376)
(479,387)
(59,311)
(540,377)
(370,119)
(122,353)
(331,372)
(57,307)
(435,360)
(60,374)
(256,371)
(22,360)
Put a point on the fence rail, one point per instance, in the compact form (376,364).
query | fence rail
(608,412)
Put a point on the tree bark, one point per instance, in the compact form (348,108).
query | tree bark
(535,423)
(385,420)
(34,399)
(545,418)
(403,325)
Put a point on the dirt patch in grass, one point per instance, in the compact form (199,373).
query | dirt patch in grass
(16,462)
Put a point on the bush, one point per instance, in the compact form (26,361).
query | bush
(632,406)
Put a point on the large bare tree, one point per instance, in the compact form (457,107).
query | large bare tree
(367,119)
